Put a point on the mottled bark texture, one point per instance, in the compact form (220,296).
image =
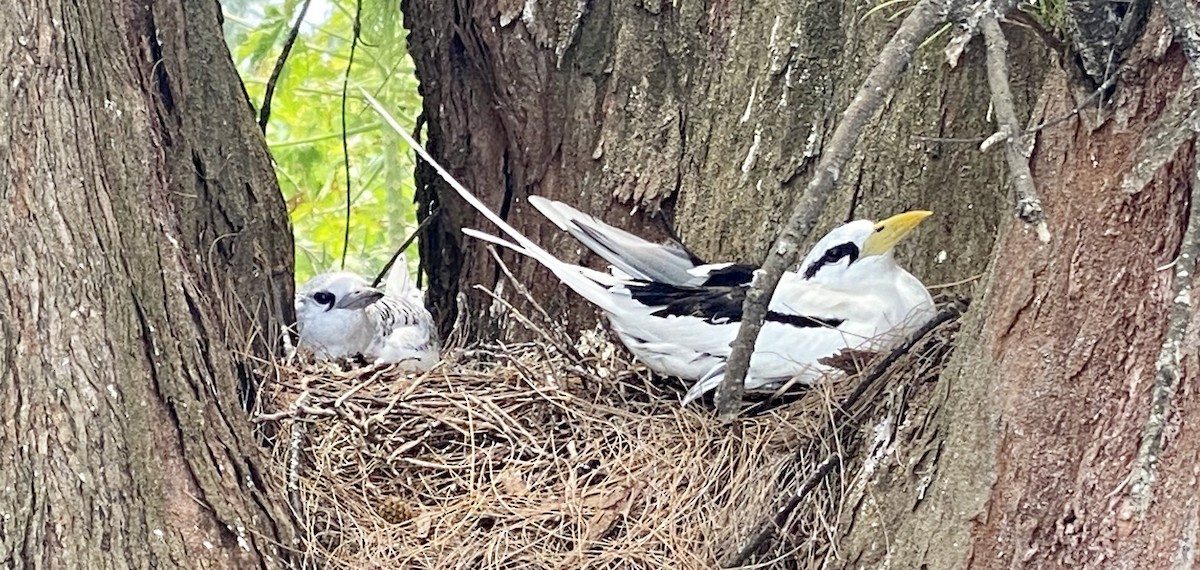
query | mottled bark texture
(713,112)
(1023,454)
(146,266)
(707,115)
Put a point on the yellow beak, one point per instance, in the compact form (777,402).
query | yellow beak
(892,230)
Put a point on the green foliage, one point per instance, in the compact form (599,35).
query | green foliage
(305,128)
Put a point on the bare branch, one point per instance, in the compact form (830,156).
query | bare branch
(893,60)
(388,266)
(1029,207)
(264,112)
(345,142)
(1166,369)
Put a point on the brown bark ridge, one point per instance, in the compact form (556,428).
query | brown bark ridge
(146,266)
(711,113)
(1024,453)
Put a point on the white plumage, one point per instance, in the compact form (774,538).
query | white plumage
(637,257)
(680,320)
(849,294)
(338,314)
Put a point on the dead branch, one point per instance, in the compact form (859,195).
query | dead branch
(264,112)
(1029,207)
(893,60)
(411,238)
(1166,368)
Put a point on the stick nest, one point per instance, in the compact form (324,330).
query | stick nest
(520,456)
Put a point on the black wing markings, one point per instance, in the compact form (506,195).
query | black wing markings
(714,304)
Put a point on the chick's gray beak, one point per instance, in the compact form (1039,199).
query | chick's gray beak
(359,298)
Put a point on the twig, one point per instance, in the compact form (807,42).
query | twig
(1166,368)
(1091,98)
(563,348)
(345,143)
(962,281)
(951,311)
(1079,106)
(411,238)
(569,350)
(1029,207)
(264,112)
(768,528)
(296,443)
(893,60)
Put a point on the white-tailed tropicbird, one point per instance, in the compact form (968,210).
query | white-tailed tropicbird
(848,294)
(338,314)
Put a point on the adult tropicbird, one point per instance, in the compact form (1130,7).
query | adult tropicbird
(850,294)
(339,314)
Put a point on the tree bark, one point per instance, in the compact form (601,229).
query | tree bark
(146,270)
(712,114)
(1025,453)
(701,118)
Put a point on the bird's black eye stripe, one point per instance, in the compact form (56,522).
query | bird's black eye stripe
(324,298)
(833,255)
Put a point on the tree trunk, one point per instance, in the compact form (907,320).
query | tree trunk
(713,113)
(1029,445)
(146,269)
(707,116)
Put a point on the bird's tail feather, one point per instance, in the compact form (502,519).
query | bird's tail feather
(702,386)
(589,289)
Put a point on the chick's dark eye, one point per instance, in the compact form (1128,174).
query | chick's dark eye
(323,297)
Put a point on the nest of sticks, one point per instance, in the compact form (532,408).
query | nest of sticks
(523,456)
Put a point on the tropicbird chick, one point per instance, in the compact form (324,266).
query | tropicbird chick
(339,315)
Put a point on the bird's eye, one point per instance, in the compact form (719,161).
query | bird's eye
(323,297)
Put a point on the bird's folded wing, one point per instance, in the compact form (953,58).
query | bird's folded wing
(637,257)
